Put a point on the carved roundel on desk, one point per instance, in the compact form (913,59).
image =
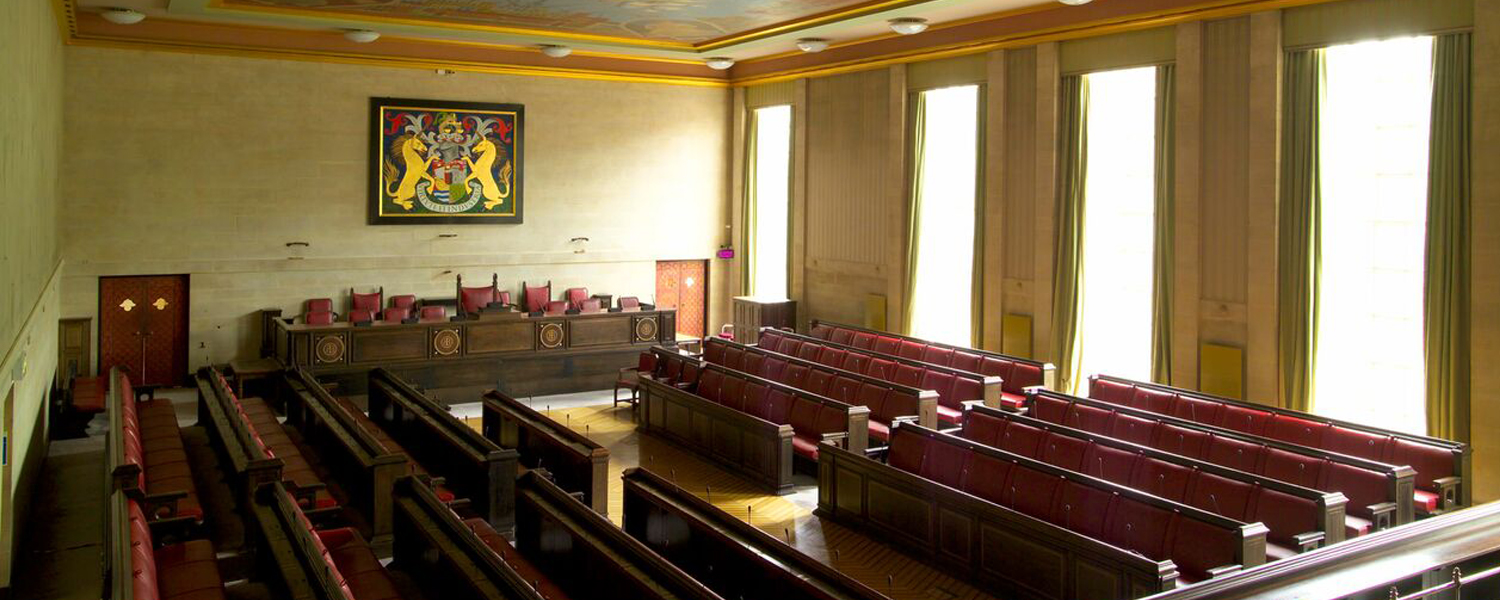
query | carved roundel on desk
(550,335)
(446,342)
(329,349)
(645,329)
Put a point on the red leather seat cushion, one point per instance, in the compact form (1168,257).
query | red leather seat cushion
(1083,509)
(1032,492)
(819,382)
(1196,410)
(713,351)
(1244,419)
(1112,392)
(1024,375)
(938,355)
(876,398)
(1181,440)
(1294,468)
(1160,478)
(1235,454)
(805,445)
(1223,496)
(945,463)
(1297,431)
(965,361)
(942,383)
(809,352)
(1153,400)
(733,393)
(879,431)
(1064,451)
(508,554)
(842,336)
(821,332)
(1198,546)
(1426,502)
(189,570)
(845,390)
(1132,429)
(795,376)
(359,566)
(778,407)
(907,451)
(887,345)
(1356,443)
(949,416)
(987,478)
(772,368)
(1140,527)
(1111,464)
(856,362)
(983,428)
(1022,439)
(881,369)
(751,362)
(997,367)
(863,341)
(804,417)
(1284,515)
(709,385)
(1088,418)
(1051,410)
(1012,401)
(967,389)
(1361,486)
(909,375)
(1430,462)
(755,399)
(733,357)
(912,350)
(832,357)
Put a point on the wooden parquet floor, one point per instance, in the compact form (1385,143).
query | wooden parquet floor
(790,517)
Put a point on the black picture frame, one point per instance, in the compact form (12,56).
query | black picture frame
(383,210)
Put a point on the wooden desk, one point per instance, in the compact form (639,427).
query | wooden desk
(516,353)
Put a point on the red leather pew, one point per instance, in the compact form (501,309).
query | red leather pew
(142,570)
(1017,373)
(270,436)
(888,402)
(1442,467)
(147,457)
(1298,518)
(1375,490)
(953,386)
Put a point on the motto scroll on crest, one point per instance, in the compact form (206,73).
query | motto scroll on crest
(445,162)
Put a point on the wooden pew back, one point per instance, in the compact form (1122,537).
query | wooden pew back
(581,549)
(1376,491)
(363,467)
(449,558)
(1298,518)
(245,457)
(730,556)
(1018,373)
(577,463)
(471,465)
(888,401)
(1442,467)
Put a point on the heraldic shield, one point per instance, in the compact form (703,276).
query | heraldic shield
(445,162)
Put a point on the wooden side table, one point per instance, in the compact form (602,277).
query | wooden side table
(251,370)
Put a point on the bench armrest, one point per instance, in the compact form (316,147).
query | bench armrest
(913,419)
(171,530)
(163,505)
(1384,515)
(1310,540)
(837,438)
(1224,570)
(1447,489)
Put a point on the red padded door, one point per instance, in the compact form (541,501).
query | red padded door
(683,285)
(143,325)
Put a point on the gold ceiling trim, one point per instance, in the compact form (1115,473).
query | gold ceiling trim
(382,61)
(1216,9)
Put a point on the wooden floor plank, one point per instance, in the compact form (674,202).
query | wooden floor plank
(862,557)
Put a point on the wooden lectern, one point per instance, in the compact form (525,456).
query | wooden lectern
(752,313)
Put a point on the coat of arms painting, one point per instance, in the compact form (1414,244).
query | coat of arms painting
(445,162)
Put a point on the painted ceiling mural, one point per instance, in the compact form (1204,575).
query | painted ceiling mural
(688,21)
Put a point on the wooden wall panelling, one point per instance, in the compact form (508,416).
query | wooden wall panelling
(992,278)
(897,199)
(1187,290)
(1265,141)
(739,131)
(797,280)
(1019,179)
(1224,147)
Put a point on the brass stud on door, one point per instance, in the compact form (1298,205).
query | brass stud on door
(160,304)
(127,304)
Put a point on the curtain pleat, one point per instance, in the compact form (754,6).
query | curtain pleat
(748,214)
(1299,223)
(919,146)
(1446,286)
(1067,281)
(1162,251)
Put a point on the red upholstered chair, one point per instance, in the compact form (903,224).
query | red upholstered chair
(536,298)
(629,380)
(370,302)
(555,307)
(591,305)
(406,301)
(630,302)
(575,297)
(472,299)
(320,317)
(360,315)
(505,297)
(319,305)
(434,313)
(396,315)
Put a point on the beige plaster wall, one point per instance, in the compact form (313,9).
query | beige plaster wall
(31,75)
(210,165)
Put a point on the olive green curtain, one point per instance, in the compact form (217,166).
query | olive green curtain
(1067,279)
(918,148)
(1162,251)
(1299,223)
(747,213)
(1446,289)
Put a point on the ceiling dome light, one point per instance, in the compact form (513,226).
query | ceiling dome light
(1075,2)
(362,36)
(122,16)
(908,25)
(556,51)
(812,44)
(719,62)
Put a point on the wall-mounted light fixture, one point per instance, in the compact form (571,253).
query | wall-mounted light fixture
(580,245)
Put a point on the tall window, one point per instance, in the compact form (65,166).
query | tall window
(946,173)
(1114,327)
(769,200)
(1374,126)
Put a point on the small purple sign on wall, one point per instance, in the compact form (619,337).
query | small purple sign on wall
(726,253)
